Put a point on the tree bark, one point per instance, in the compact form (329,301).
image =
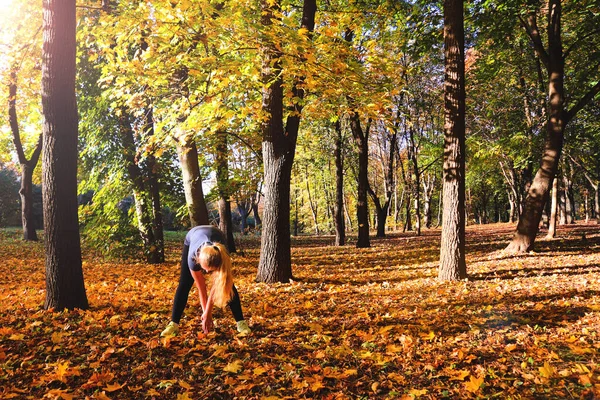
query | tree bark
(156,251)
(452,249)
(65,286)
(223,189)
(553,211)
(278,148)
(313,206)
(27,166)
(142,198)
(428,186)
(192,182)
(362,206)
(554,61)
(569,203)
(417,181)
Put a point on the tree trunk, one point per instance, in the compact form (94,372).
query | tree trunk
(562,206)
(569,206)
(156,250)
(257,220)
(416,183)
(586,205)
(241,206)
(278,148)
(428,186)
(362,206)
(143,201)
(225,221)
(553,209)
(313,206)
(27,166)
(452,248)
(408,218)
(558,118)
(192,182)
(65,286)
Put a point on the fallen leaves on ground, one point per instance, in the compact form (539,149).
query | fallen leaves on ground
(355,323)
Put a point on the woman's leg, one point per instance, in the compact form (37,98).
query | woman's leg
(186,281)
(236,306)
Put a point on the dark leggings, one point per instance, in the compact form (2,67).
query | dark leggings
(186,281)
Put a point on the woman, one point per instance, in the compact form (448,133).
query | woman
(204,253)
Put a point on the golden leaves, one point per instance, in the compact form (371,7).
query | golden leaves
(235,367)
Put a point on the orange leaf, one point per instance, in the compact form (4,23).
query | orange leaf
(474,384)
(113,387)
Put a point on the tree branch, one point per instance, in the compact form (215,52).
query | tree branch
(574,45)
(589,96)
(534,33)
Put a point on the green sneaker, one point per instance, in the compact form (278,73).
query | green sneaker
(243,328)
(171,330)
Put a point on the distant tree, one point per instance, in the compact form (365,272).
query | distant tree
(9,196)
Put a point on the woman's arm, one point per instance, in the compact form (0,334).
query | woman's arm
(206,301)
(201,285)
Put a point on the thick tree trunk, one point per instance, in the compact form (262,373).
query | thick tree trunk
(558,118)
(553,210)
(452,248)
(223,189)
(27,166)
(192,182)
(278,148)
(64,275)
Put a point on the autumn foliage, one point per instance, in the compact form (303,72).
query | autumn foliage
(355,323)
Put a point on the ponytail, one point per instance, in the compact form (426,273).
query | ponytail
(222,285)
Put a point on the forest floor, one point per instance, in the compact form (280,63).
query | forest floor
(355,323)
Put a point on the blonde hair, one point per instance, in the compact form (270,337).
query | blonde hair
(217,257)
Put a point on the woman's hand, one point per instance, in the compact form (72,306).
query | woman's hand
(207,323)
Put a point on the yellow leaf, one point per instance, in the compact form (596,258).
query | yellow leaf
(235,366)
(184,396)
(317,384)
(580,350)
(113,387)
(386,329)
(259,371)
(61,370)
(474,384)
(428,336)
(17,336)
(547,371)
(417,392)
(57,337)
(460,375)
